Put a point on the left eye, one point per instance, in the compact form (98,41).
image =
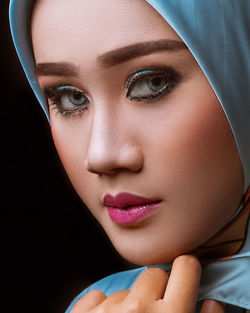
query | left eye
(67,99)
(71,99)
(150,84)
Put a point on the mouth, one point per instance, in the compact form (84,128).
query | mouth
(126,208)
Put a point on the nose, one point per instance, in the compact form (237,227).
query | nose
(112,148)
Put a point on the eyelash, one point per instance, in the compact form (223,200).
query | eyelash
(167,73)
(171,76)
(55,93)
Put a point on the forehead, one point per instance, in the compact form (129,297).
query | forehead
(61,28)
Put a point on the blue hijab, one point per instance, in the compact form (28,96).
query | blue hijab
(217,32)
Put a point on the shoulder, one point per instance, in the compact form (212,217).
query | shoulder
(112,283)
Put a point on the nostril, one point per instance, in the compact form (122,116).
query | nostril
(92,171)
(90,167)
(129,158)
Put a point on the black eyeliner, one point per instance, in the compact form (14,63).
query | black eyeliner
(150,72)
(55,92)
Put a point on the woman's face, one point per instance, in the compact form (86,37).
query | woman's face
(135,114)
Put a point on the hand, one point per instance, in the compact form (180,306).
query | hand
(154,292)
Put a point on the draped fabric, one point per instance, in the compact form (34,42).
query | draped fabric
(217,32)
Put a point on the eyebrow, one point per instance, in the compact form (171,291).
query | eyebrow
(127,53)
(56,69)
(112,58)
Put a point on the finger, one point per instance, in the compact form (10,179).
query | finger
(149,286)
(212,306)
(181,292)
(117,297)
(89,301)
(112,303)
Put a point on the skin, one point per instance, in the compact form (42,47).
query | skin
(149,293)
(178,148)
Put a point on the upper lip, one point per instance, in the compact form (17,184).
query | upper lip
(125,199)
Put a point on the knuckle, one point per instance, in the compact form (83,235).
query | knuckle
(105,308)
(95,293)
(134,306)
(119,295)
(101,309)
(77,307)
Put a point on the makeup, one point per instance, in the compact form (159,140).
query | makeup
(68,100)
(150,83)
(126,208)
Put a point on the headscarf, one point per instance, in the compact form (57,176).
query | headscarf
(217,33)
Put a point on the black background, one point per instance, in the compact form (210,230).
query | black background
(51,246)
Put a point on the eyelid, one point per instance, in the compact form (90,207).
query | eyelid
(167,72)
(151,71)
(55,90)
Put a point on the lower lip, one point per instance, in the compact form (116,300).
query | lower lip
(132,214)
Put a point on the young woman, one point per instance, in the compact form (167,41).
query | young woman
(148,103)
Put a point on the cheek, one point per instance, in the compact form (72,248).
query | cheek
(68,148)
(198,165)
(72,149)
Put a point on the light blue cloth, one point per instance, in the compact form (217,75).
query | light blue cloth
(224,280)
(217,32)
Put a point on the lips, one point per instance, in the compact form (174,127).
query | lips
(124,200)
(126,208)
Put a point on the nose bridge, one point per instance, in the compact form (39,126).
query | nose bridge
(103,136)
(110,145)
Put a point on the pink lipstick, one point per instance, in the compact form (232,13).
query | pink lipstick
(126,208)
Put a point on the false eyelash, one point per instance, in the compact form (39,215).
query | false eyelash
(167,72)
(66,114)
(54,93)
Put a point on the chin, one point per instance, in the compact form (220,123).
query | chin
(148,245)
(147,256)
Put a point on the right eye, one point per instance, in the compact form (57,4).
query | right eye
(152,83)
(67,99)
